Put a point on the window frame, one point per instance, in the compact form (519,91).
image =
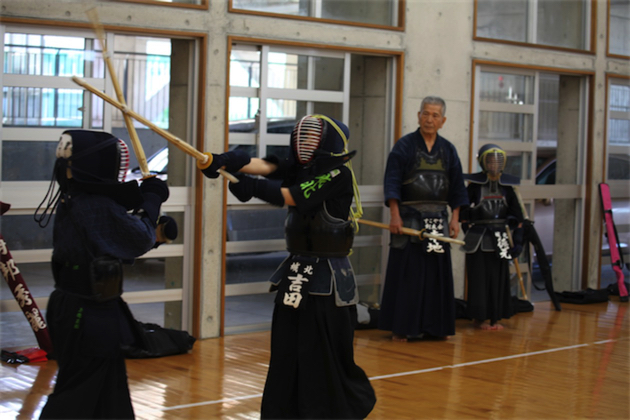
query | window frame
(608,27)
(400,26)
(204,4)
(589,37)
(529,190)
(24,195)
(371,195)
(619,188)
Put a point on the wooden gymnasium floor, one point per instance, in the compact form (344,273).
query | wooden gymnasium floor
(572,364)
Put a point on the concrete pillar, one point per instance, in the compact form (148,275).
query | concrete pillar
(565,210)
(179,125)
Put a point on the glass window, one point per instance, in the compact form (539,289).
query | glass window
(242,116)
(619,27)
(245,68)
(568,32)
(20,232)
(244,225)
(507,88)
(291,71)
(369,12)
(523,113)
(619,131)
(519,164)
(28,161)
(508,116)
(265,104)
(617,171)
(535,22)
(182,2)
(286,112)
(505,126)
(548,108)
(505,20)
(40,100)
(44,55)
(144,74)
(42,107)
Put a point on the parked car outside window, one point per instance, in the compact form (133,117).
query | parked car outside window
(544,209)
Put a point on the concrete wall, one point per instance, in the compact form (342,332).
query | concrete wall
(438,48)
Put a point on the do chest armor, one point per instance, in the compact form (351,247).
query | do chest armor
(427,182)
(318,235)
(488,222)
(492,207)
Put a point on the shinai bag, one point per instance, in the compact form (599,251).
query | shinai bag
(155,341)
(584,296)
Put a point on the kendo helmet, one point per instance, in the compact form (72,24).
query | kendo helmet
(91,157)
(317,135)
(89,161)
(492,159)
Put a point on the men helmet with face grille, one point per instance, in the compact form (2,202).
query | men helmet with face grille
(92,157)
(492,159)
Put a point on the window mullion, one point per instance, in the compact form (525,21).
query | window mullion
(346,88)
(316,8)
(310,77)
(261,115)
(532,21)
(535,124)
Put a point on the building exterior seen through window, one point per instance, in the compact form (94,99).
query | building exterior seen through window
(370,12)
(536,22)
(619,28)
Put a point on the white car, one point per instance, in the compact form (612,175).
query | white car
(157,164)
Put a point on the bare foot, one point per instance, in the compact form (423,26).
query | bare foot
(399,338)
(486,326)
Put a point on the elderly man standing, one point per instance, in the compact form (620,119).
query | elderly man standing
(423,177)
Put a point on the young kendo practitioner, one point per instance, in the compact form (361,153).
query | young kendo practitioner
(94,233)
(494,208)
(312,373)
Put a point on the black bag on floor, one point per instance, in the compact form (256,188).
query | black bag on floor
(155,341)
(584,296)
(613,289)
(461,309)
(521,305)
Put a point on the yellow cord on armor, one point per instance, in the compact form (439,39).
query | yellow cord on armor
(354,215)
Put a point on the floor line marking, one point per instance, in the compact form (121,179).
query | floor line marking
(244,397)
(605,341)
(412,372)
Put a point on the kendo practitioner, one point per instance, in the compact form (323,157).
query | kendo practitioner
(490,245)
(94,232)
(423,176)
(312,373)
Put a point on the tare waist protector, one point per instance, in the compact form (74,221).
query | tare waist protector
(100,280)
